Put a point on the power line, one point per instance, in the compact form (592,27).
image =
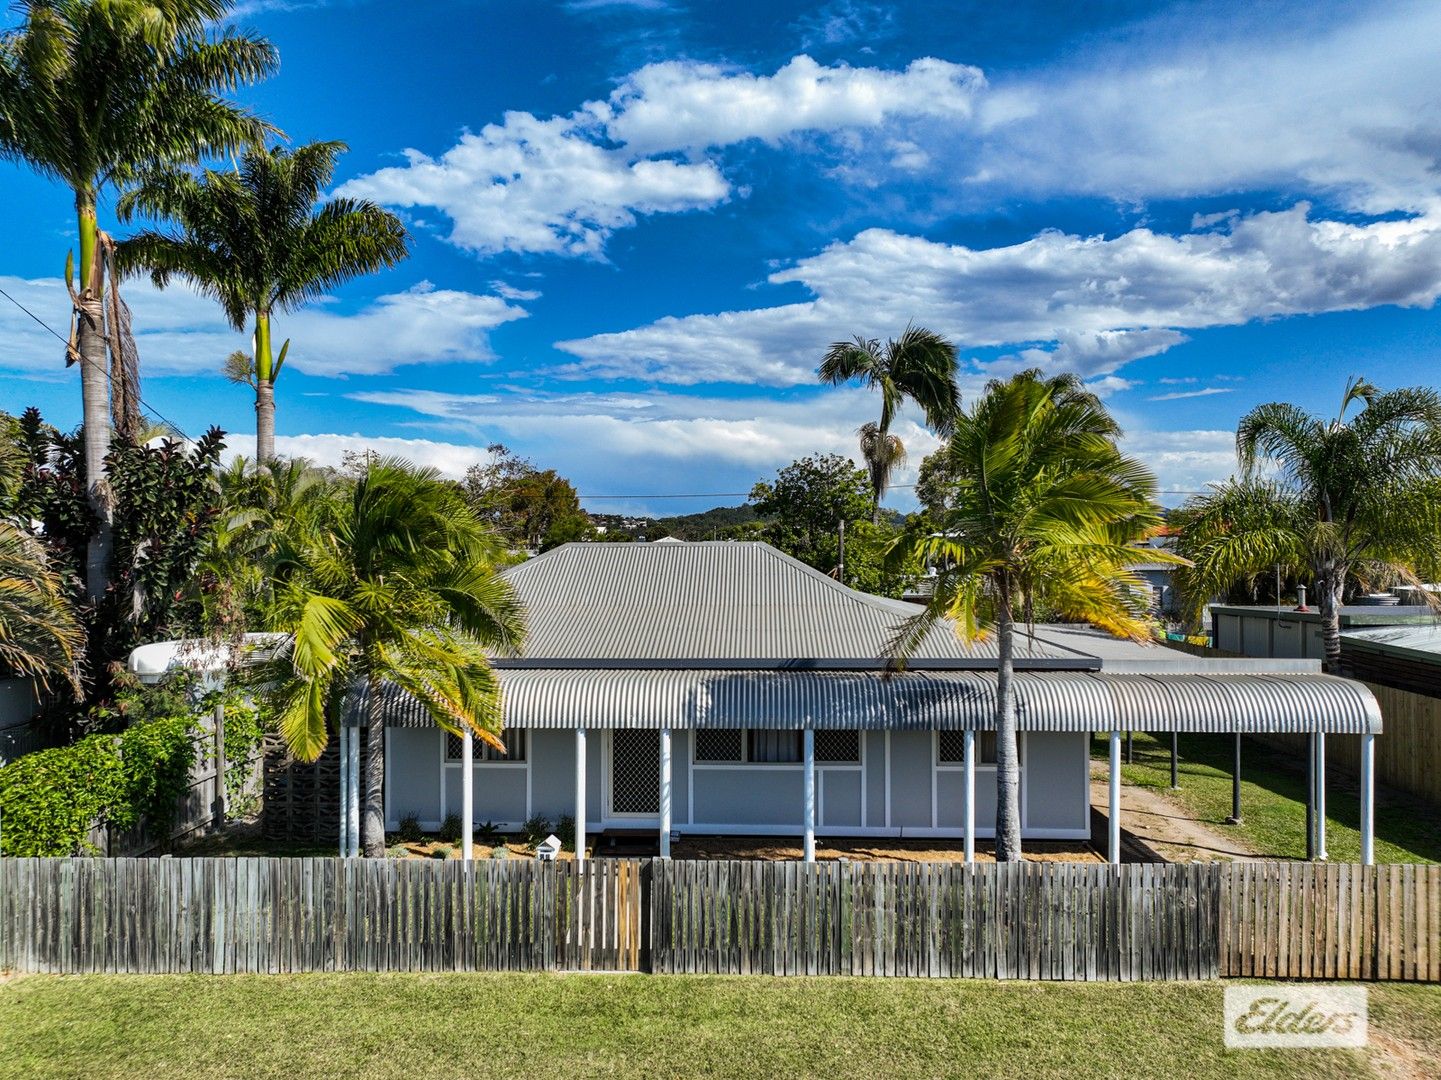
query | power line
(93,367)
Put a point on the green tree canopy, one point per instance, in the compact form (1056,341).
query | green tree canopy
(1353,500)
(919,366)
(255,240)
(529,508)
(1042,509)
(396,586)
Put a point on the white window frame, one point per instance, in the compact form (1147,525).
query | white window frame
(744,761)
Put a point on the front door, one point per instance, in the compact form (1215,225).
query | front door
(635,773)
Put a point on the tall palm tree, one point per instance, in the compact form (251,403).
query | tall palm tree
(256,241)
(1347,500)
(397,586)
(91,94)
(919,366)
(1043,512)
(40,637)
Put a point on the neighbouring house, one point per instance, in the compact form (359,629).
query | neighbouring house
(1394,648)
(726,688)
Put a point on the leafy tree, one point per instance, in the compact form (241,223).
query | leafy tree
(40,637)
(166,506)
(92,94)
(254,240)
(528,507)
(1043,510)
(805,504)
(1351,499)
(396,586)
(919,366)
(252,547)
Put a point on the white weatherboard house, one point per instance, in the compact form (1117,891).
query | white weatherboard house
(725,688)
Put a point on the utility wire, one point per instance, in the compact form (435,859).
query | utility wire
(94,367)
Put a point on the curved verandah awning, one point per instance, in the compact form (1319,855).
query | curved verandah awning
(1058,701)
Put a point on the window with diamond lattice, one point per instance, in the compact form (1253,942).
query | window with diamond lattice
(635,772)
(719,745)
(951,748)
(514,739)
(838,746)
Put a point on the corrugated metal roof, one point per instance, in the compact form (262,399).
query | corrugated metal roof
(932,700)
(710,602)
(1414,642)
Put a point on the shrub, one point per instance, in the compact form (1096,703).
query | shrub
(441,852)
(409,831)
(488,834)
(536,829)
(450,829)
(500,853)
(50,799)
(565,830)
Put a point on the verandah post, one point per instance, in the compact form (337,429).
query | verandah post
(968,816)
(1368,799)
(467,795)
(808,749)
(580,794)
(1321,795)
(1113,824)
(665,793)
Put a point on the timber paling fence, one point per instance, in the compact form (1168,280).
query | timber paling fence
(1064,921)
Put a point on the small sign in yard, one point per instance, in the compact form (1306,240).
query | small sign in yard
(1295,1016)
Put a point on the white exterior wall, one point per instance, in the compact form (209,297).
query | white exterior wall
(922,798)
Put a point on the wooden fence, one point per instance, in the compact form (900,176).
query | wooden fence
(1067,921)
(290,915)
(1062,921)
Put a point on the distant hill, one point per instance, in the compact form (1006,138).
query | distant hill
(720,522)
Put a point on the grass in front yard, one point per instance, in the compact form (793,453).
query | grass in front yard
(417,1026)
(1273,799)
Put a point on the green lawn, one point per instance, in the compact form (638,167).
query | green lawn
(416,1026)
(1273,799)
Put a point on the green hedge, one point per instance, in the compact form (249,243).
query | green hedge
(51,798)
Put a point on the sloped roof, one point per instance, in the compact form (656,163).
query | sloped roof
(714,603)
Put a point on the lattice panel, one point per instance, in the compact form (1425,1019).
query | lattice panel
(951,747)
(841,746)
(514,739)
(719,745)
(635,772)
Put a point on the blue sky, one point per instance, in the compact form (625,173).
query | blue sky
(636,226)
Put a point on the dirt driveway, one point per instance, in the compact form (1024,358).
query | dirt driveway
(1163,823)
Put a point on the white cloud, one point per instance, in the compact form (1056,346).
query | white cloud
(1182,395)
(1086,304)
(1183,461)
(451,459)
(656,441)
(562,185)
(180,332)
(678,104)
(540,185)
(1348,107)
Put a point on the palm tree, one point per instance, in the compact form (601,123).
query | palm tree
(91,94)
(396,586)
(1350,499)
(40,636)
(919,366)
(255,240)
(1042,515)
